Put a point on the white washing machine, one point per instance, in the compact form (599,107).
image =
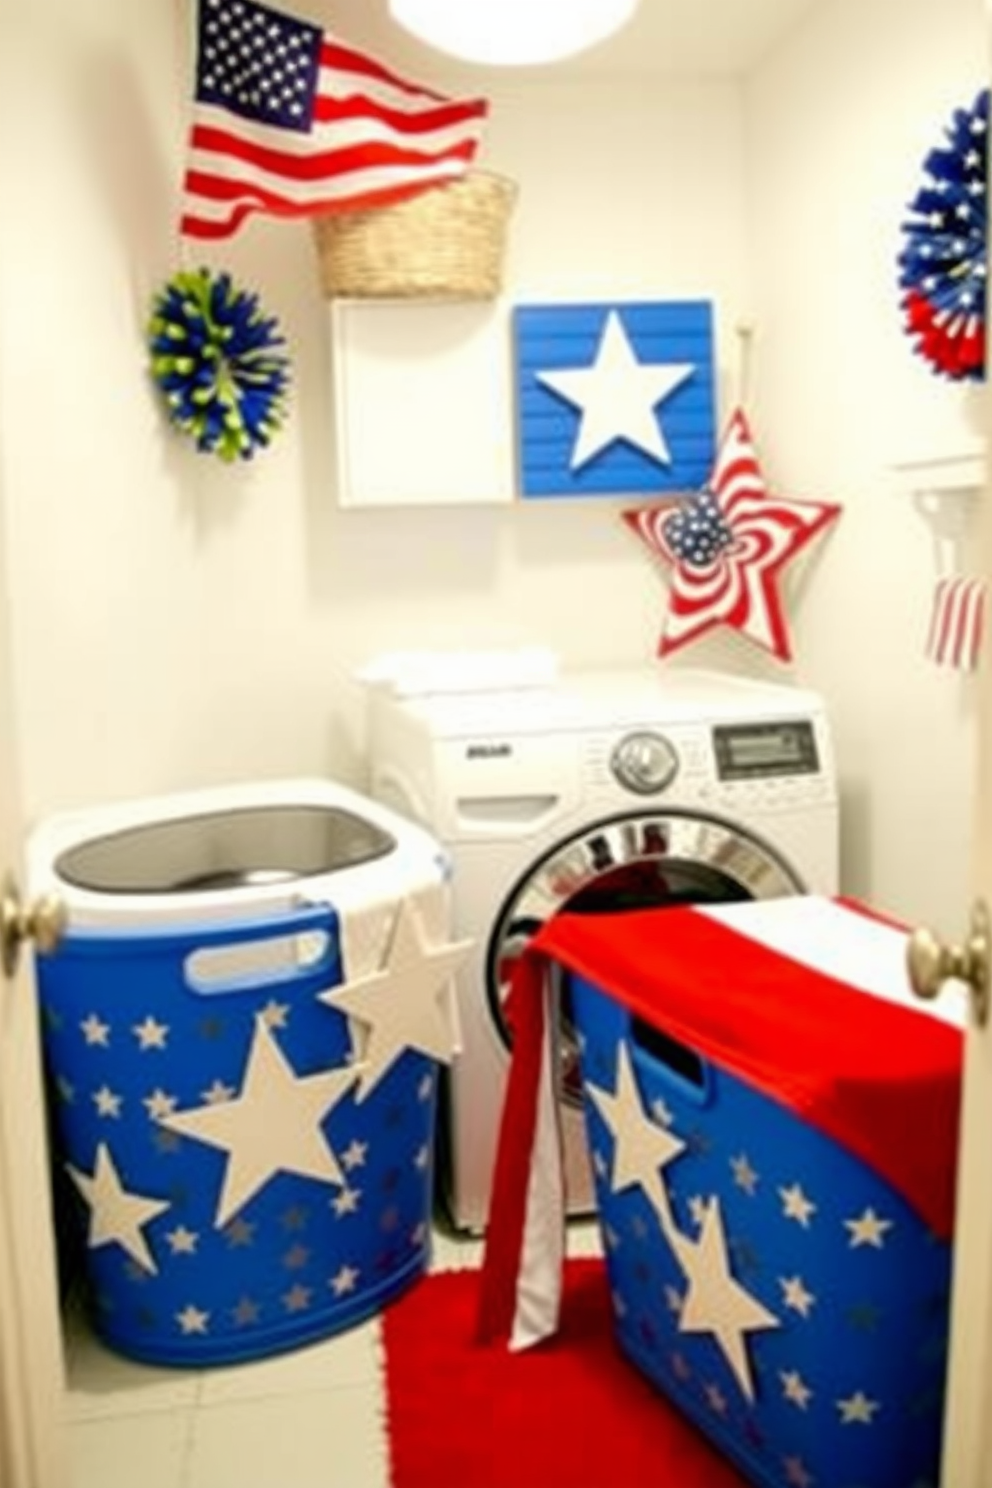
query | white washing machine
(595,791)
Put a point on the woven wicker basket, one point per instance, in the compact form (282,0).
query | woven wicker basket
(446,243)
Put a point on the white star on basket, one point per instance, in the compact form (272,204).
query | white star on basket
(796,1205)
(159,1103)
(408,1004)
(744,1175)
(151,1034)
(868,1229)
(193,1319)
(641,1148)
(273,1126)
(858,1409)
(344,1280)
(95,1031)
(715,1303)
(795,1388)
(115,1214)
(796,1295)
(107,1102)
(182,1241)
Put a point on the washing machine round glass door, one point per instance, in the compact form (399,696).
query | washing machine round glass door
(636,861)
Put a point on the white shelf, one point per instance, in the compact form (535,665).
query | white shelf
(422,403)
(959,474)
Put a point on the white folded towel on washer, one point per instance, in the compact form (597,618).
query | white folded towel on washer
(418,673)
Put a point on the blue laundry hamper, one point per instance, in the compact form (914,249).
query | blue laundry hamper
(845,1339)
(239,1193)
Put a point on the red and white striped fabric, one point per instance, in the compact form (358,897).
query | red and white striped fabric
(773,992)
(525,1240)
(957,623)
(291,122)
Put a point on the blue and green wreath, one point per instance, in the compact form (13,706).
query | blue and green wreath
(215,358)
(943,265)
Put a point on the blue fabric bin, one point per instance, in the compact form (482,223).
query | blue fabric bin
(239,1193)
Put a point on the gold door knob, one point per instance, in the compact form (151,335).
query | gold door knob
(43,922)
(931,963)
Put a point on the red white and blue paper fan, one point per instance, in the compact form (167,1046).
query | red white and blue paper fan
(943,264)
(725,548)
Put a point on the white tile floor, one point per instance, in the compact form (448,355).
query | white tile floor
(312,1418)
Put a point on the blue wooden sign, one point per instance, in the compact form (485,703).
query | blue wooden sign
(614,398)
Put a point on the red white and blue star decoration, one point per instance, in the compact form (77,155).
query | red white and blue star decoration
(614,398)
(726,548)
(943,266)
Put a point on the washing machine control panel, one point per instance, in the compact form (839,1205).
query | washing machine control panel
(644,762)
(754,765)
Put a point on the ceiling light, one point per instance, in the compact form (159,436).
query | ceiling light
(508,32)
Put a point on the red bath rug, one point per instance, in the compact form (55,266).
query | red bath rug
(571,1413)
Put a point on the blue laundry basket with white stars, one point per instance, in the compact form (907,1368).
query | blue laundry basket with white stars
(774,1285)
(251,1159)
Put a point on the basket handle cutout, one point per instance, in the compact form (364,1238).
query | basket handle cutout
(666,1056)
(257,961)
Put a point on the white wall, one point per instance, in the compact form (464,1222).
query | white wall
(839,122)
(177,622)
(180,622)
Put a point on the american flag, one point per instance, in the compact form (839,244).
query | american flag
(289,121)
(726,548)
(957,622)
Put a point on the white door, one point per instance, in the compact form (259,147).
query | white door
(968,1420)
(32,1448)
(968,1433)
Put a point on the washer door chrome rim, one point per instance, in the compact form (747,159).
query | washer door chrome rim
(716,860)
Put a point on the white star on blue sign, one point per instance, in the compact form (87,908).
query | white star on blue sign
(614,398)
(617,396)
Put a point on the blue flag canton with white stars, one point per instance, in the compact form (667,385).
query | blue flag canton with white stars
(698,532)
(257,63)
(848,1381)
